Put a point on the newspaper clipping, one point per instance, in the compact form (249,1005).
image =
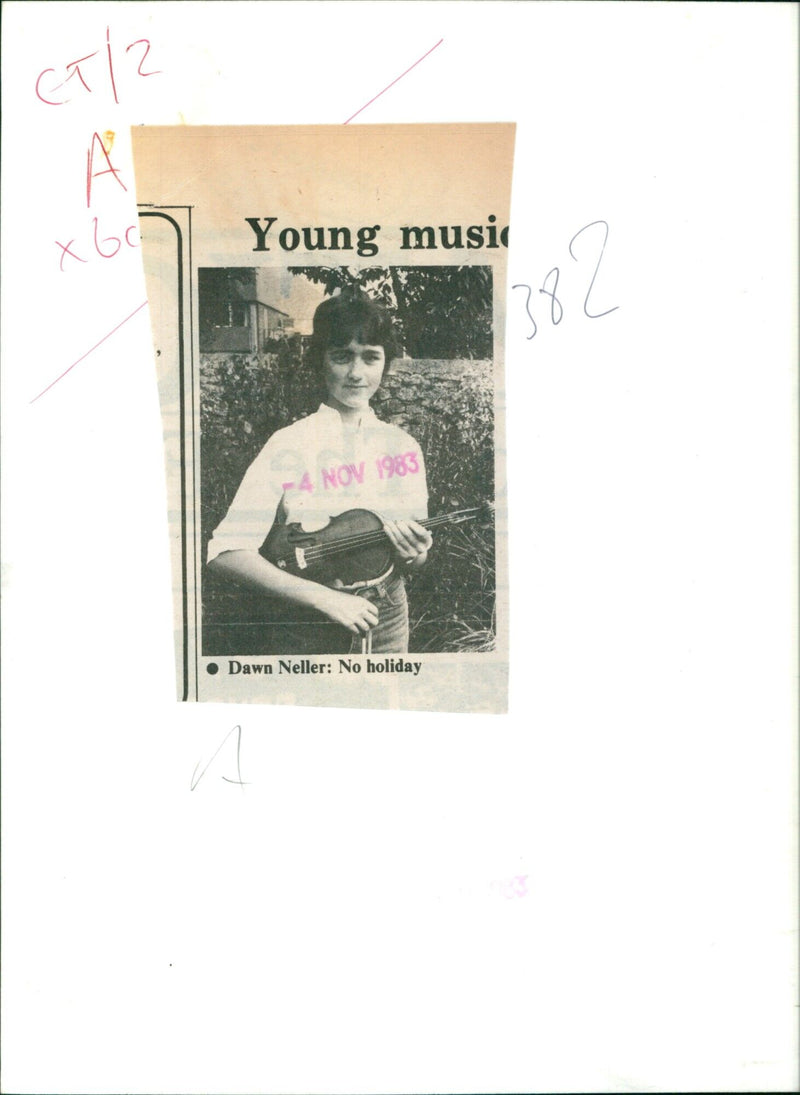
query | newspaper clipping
(328,313)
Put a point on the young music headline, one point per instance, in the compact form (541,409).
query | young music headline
(412,237)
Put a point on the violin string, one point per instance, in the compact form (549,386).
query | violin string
(359,539)
(346,543)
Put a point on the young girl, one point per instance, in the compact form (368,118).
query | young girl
(337,459)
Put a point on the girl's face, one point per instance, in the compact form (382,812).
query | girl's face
(352,374)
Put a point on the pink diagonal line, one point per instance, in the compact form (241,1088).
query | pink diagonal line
(144,302)
(400,77)
(80,359)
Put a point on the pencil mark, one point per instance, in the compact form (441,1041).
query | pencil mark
(196,778)
(554,301)
(557,309)
(400,77)
(239,779)
(586,312)
(523,285)
(83,356)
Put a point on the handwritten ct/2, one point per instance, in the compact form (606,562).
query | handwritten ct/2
(85,68)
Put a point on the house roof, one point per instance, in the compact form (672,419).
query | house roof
(244,293)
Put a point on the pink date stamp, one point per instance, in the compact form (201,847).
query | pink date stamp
(344,475)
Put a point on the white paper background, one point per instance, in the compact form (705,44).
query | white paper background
(349,921)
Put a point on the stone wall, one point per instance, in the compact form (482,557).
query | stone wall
(413,387)
(418,386)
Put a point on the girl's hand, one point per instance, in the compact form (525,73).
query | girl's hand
(411,541)
(357,614)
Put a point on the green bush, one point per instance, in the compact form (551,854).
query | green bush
(452,600)
(244,399)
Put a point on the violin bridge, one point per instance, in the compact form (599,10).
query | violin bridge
(300,557)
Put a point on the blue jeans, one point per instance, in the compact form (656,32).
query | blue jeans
(390,636)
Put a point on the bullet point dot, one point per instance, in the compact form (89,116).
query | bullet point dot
(212,668)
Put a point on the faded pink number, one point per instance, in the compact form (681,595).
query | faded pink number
(404,464)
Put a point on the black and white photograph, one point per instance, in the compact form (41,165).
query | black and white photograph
(347,438)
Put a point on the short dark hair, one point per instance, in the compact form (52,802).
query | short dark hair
(351,316)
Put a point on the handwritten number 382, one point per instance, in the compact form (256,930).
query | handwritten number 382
(556,308)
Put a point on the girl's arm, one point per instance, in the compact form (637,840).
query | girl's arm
(357,614)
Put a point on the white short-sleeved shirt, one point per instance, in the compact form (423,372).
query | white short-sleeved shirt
(316,469)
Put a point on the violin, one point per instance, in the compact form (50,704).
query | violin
(351,552)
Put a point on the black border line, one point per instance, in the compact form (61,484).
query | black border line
(196,440)
(181,376)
